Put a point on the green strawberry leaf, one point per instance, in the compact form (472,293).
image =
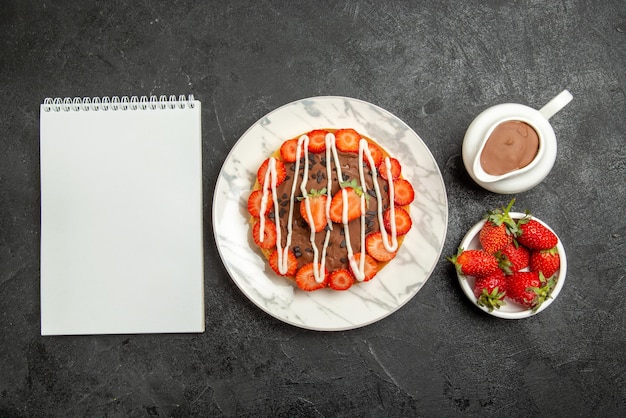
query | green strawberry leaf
(313,193)
(354,186)
(544,292)
(491,300)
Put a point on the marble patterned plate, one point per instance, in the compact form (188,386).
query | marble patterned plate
(365,303)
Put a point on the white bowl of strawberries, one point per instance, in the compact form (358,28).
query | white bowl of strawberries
(511,264)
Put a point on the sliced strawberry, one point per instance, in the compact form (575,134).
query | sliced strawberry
(317,141)
(281,173)
(347,140)
(375,247)
(254,204)
(354,204)
(341,279)
(403,193)
(317,203)
(403,221)
(288,150)
(305,278)
(396,169)
(377,153)
(371,266)
(269,235)
(292,263)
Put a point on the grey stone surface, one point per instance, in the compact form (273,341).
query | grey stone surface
(436,65)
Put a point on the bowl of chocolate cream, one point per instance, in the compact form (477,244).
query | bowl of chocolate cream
(510,148)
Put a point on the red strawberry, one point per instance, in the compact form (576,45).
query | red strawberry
(317,141)
(305,278)
(396,169)
(535,235)
(353,193)
(292,263)
(547,262)
(377,154)
(490,290)
(475,263)
(371,266)
(514,258)
(498,230)
(288,150)
(403,221)
(281,173)
(375,248)
(403,192)
(529,288)
(269,235)
(254,203)
(523,287)
(341,279)
(494,238)
(317,203)
(347,140)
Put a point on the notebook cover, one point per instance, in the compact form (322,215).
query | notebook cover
(121,219)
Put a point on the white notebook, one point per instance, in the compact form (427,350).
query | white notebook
(121,216)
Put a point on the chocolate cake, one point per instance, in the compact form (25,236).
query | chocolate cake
(344,223)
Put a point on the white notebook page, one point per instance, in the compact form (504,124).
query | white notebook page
(121,221)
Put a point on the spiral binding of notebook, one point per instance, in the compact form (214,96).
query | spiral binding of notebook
(105,103)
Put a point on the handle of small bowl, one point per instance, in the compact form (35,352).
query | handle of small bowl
(553,106)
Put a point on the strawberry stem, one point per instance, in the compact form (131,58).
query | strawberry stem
(313,193)
(453,260)
(544,292)
(493,300)
(354,186)
(501,216)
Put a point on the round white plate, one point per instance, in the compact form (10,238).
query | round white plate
(511,310)
(325,309)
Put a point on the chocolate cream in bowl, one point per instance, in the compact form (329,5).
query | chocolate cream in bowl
(512,145)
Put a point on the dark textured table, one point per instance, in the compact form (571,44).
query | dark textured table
(434,64)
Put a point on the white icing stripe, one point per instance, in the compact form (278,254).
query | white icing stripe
(317,272)
(344,197)
(330,144)
(283,266)
(393,245)
(263,207)
(270,173)
(359,270)
(293,191)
